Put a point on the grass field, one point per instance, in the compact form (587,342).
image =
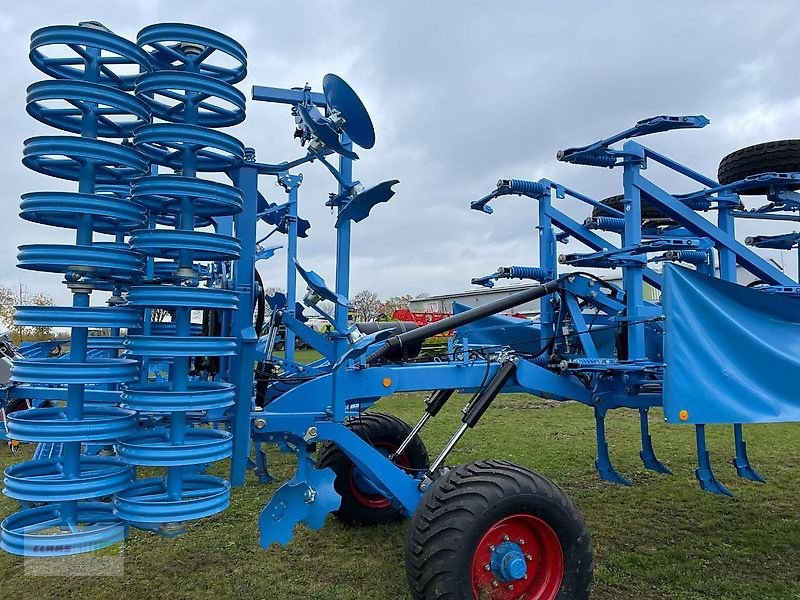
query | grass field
(663,538)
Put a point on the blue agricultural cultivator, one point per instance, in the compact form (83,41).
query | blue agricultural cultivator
(165,217)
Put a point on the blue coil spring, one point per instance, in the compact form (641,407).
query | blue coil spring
(594,159)
(524,186)
(535,273)
(615,224)
(587,260)
(189,93)
(694,257)
(94,70)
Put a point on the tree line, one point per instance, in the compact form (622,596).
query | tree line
(21,295)
(366,305)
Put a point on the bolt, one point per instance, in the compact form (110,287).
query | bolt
(260,423)
(521,542)
(312,432)
(510,587)
(505,538)
(491,547)
(310,495)
(487,567)
(529,557)
(495,584)
(525,576)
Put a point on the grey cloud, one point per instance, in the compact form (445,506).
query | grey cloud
(461,93)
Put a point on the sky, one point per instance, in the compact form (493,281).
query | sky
(461,94)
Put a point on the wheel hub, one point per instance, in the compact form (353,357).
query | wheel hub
(518,558)
(508,562)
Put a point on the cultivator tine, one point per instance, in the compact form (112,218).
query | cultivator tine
(603,461)
(647,454)
(704,473)
(261,464)
(741,461)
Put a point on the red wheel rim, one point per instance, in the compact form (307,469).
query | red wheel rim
(544,560)
(378,501)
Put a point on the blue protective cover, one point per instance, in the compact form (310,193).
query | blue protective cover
(732,353)
(498,331)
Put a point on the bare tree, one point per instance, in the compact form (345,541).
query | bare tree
(21,295)
(327,307)
(395,303)
(365,306)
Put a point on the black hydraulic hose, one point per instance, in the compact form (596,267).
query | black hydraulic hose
(468,316)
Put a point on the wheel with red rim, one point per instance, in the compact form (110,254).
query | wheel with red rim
(491,530)
(524,556)
(363,501)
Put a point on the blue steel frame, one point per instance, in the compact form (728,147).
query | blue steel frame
(688,238)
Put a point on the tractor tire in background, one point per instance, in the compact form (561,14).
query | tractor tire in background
(260,308)
(361,503)
(493,530)
(782,156)
(649,212)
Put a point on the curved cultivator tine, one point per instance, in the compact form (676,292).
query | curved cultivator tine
(741,461)
(704,473)
(647,454)
(603,461)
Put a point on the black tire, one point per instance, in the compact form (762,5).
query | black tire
(260,308)
(383,431)
(782,156)
(465,507)
(649,212)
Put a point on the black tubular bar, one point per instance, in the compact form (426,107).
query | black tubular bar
(468,316)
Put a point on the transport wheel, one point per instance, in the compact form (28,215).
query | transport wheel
(782,156)
(491,530)
(362,502)
(649,212)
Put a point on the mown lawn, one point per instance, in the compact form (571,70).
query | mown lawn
(663,538)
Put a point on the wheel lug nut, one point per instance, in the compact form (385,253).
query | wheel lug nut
(521,542)
(495,584)
(529,557)
(491,547)
(510,587)
(487,567)
(505,538)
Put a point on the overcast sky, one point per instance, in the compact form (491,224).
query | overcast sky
(461,94)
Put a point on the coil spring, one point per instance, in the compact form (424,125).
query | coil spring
(535,273)
(523,186)
(599,159)
(586,260)
(93,70)
(694,257)
(615,224)
(190,94)
(698,203)
(542,359)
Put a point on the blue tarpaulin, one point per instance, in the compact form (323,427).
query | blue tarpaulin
(732,353)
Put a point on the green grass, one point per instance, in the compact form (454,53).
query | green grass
(304,356)
(663,538)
